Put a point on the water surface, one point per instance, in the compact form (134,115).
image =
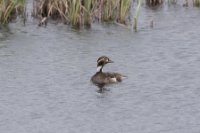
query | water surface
(45,76)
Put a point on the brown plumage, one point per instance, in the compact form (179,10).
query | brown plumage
(104,78)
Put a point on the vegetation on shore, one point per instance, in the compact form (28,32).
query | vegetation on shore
(154,2)
(83,12)
(196,3)
(10,9)
(80,13)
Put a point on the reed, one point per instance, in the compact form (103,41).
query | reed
(9,9)
(50,8)
(135,19)
(109,9)
(123,12)
(82,12)
(70,11)
(196,3)
(74,12)
(172,1)
(87,7)
(154,2)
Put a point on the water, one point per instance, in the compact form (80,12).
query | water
(45,76)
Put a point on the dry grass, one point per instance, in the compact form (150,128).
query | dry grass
(82,12)
(123,12)
(172,1)
(196,3)
(9,9)
(154,2)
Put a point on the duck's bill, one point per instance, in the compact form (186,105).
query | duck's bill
(110,61)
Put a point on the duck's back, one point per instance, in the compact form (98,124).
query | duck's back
(101,78)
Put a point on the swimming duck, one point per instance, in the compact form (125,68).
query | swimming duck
(101,78)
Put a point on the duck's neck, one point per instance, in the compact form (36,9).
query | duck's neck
(99,68)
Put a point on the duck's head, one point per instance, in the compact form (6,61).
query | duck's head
(102,61)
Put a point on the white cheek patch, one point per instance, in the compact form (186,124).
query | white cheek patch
(99,68)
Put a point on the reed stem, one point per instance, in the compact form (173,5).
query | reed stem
(135,19)
(10,9)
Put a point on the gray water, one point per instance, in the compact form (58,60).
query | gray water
(45,76)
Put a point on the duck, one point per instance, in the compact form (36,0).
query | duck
(101,78)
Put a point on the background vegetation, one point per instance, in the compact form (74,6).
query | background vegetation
(83,12)
(10,9)
(80,12)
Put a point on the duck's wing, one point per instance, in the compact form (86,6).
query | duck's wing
(115,77)
(107,78)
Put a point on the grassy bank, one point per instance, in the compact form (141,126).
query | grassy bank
(154,2)
(79,13)
(10,9)
(83,12)
(196,3)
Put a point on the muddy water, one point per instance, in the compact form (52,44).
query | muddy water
(45,76)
